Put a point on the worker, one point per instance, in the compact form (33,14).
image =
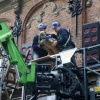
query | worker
(64,41)
(36,45)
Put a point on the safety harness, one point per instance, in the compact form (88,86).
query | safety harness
(66,41)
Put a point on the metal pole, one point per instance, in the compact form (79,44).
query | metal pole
(76,9)
(23,93)
(85,75)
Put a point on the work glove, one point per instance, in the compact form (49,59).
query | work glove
(47,37)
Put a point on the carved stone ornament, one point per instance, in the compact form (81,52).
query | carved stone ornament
(14,1)
(55,10)
(8,4)
(89,3)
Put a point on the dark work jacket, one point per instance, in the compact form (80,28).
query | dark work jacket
(40,51)
(62,37)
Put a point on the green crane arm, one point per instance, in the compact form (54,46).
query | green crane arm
(15,58)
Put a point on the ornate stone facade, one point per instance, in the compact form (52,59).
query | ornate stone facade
(47,11)
(6,5)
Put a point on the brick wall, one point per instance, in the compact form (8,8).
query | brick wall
(89,14)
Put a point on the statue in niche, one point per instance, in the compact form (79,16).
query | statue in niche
(56,10)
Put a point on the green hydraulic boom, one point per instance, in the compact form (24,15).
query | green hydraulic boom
(7,40)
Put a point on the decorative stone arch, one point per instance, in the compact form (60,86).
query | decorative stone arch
(28,16)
